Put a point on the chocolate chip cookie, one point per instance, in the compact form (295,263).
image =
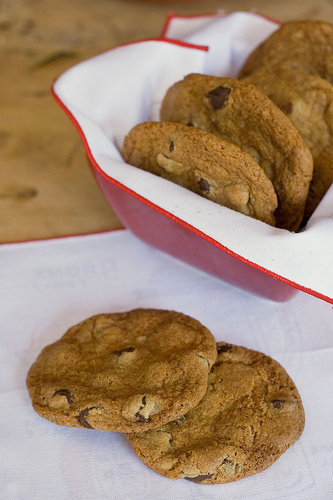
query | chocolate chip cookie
(240,113)
(125,372)
(297,45)
(307,100)
(204,164)
(250,415)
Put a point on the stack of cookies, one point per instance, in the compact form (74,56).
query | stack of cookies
(294,68)
(190,407)
(261,143)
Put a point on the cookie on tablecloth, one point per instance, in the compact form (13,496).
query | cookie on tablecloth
(250,415)
(204,164)
(125,372)
(240,113)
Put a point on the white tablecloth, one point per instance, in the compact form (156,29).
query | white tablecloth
(47,286)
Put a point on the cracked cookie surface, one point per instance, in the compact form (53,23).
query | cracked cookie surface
(250,415)
(204,164)
(123,371)
(240,113)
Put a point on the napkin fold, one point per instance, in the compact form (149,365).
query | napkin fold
(48,286)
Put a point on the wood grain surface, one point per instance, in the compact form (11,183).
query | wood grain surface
(46,187)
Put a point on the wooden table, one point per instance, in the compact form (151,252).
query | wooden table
(46,187)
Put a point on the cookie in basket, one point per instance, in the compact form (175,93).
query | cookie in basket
(123,372)
(307,100)
(250,415)
(297,45)
(204,164)
(241,114)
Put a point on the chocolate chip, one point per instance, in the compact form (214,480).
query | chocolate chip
(204,185)
(286,405)
(198,479)
(221,347)
(287,108)
(138,415)
(190,124)
(82,417)
(231,464)
(122,351)
(64,392)
(141,418)
(218,97)
(171,147)
(277,403)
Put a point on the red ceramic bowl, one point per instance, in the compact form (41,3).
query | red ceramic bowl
(172,235)
(110,93)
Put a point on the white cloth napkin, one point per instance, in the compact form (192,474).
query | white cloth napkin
(47,286)
(229,37)
(108,94)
